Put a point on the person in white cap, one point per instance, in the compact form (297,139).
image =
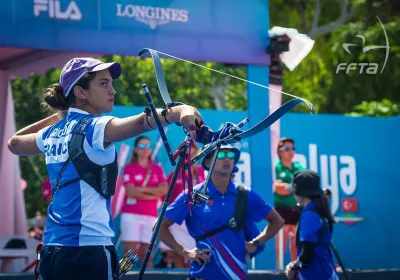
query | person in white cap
(219,228)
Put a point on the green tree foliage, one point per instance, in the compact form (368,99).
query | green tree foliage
(187,83)
(383,108)
(316,79)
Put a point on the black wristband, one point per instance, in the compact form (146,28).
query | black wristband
(164,113)
(147,111)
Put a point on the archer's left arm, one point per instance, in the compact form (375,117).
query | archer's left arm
(275,223)
(258,210)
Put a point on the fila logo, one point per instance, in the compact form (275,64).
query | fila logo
(53,9)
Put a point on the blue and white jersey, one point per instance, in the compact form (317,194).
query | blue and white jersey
(228,257)
(78,214)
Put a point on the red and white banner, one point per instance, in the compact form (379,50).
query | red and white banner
(119,197)
(12,203)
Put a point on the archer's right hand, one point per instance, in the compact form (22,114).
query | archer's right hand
(200,256)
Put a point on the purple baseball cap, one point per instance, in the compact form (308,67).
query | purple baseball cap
(77,67)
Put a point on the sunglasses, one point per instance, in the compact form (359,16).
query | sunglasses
(287,149)
(144,146)
(222,154)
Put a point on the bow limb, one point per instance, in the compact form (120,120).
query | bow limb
(268,121)
(162,84)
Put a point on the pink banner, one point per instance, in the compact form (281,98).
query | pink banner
(275,101)
(119,197)
(12,204)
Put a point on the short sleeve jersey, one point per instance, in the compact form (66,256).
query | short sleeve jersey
(78,214)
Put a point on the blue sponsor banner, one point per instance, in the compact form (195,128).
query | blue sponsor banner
(357,162)
(356,158)
(230,31)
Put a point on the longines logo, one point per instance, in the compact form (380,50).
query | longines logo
(152,16)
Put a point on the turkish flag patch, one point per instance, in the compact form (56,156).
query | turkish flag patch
(349,205)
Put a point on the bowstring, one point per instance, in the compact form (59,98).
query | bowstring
(230,75)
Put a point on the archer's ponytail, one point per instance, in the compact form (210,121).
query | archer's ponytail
(54,98)
(324,210)
(54,95)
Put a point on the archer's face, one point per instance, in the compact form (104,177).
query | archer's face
(100,94)
(225,162)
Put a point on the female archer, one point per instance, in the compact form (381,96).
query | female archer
(78,145)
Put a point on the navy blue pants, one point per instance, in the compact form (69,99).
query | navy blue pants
(76,263)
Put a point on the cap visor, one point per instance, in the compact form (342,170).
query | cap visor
(114,67)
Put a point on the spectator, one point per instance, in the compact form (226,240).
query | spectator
(180,232)
(285,203)
(36,233)
(145,184)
